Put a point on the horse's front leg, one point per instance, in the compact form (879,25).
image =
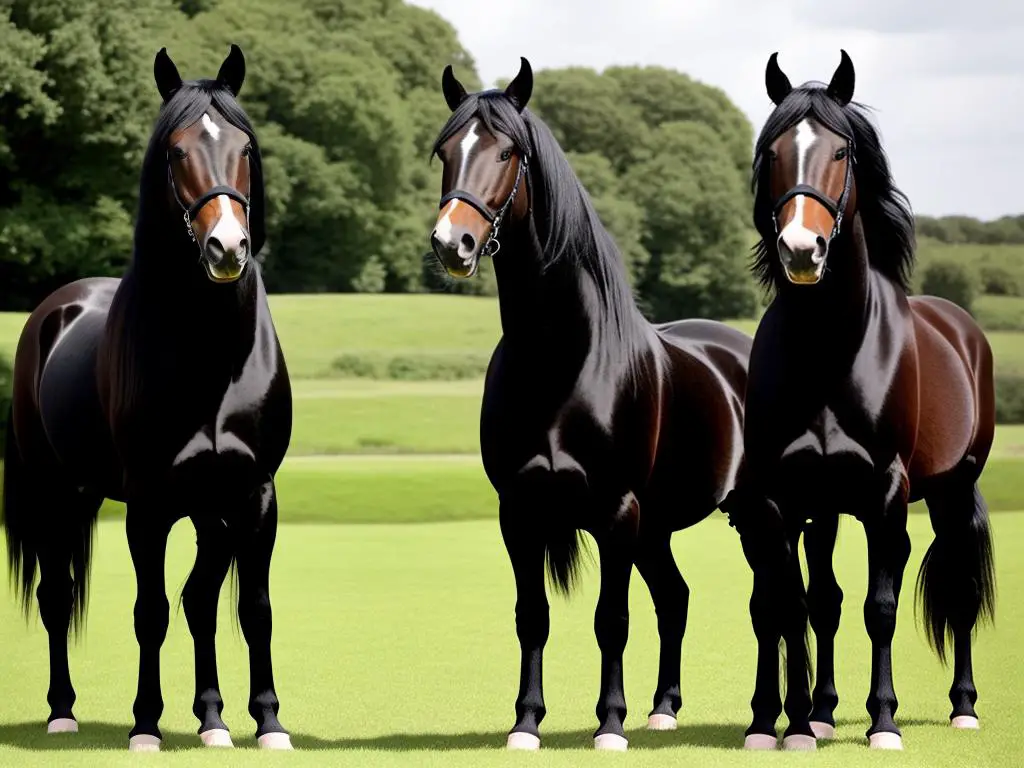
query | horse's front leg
(824,602)
(617,548)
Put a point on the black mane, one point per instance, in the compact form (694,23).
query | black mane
(567,224)
(884,209)
(184,108)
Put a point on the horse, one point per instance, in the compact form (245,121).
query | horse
(860,400)
(592,419)
(165,389)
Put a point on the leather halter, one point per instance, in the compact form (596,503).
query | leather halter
(836,208)
(496,218)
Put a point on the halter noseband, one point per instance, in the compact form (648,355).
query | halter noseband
(190,212)
(496,218)
(836,208)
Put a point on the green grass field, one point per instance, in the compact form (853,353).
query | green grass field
(395,645)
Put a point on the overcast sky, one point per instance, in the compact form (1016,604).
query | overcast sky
(946,78)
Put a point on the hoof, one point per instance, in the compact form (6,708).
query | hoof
(144,742)
(760,741)
(522,740)
(611,742)
(964,722)
(885,740)
(799,741)
(275,741)
(70,725)
(823,730)
(661,723)
(216,737)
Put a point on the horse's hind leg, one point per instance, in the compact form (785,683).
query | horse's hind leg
(671,598)
(824,603)
(958,584)
(66,512)
(214,552)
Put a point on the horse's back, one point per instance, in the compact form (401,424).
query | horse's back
(956,387)
(56,384)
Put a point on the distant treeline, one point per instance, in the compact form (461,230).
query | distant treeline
(1008,230)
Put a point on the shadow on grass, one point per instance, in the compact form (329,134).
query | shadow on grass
(33,736)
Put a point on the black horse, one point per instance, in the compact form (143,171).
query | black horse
(593,419)
(166,389)
(860,400)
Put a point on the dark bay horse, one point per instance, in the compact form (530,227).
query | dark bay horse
(165,389)
(592,419)
(860,400)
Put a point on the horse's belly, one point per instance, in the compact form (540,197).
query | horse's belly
(70,409)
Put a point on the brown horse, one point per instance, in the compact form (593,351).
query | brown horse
(593,419)
(166,389)
(860,400)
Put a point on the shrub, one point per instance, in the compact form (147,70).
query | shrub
(355,367)
(998,281)
(950,280)
(437,367)
(1009,399)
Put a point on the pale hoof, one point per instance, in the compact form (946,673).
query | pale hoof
(965,722)
(823,730)
(799,741)
(521,740)
(70,725)
(661,723)
(275,741)
(760,741)
(144,742)
(611,742)
(216,737)
(885,740)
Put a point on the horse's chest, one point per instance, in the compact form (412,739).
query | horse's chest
(827,442)
(225,431)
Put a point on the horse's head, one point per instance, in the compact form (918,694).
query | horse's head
(810,177)
(483,183)
(208,179)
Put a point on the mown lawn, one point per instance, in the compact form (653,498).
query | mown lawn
(395,646)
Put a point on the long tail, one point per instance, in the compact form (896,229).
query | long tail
(14,516)
(957,577)
(562,554)
(27,533)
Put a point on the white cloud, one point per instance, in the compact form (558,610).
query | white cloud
(947,82)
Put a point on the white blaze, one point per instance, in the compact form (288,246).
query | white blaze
(795,235)
(211,127)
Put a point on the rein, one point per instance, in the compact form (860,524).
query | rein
(836,208)
(496,218)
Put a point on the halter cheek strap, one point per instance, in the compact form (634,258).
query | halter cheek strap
(836,208)
(495,218)
(191,211)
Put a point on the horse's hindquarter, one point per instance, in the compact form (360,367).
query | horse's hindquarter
(700,446)
(957,405)
(59,418)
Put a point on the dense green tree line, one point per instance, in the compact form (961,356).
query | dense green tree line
(346,97)
(345,94)
(1007,230)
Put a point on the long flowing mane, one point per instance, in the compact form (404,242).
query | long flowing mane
(567,224)
(885,211)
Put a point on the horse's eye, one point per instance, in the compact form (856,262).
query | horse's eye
(180,153)
(506,155)
(247,150)
(840,153)
(772,157)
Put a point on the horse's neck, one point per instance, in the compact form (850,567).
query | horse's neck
(550,310)
(833,317)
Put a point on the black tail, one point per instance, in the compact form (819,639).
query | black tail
(28,530)
(957,578)
(562,550)
(21,552)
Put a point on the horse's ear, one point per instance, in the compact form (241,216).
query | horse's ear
(519,90)
(454,93)
(232,71)
(775,80)
(841,86)
(168,81)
